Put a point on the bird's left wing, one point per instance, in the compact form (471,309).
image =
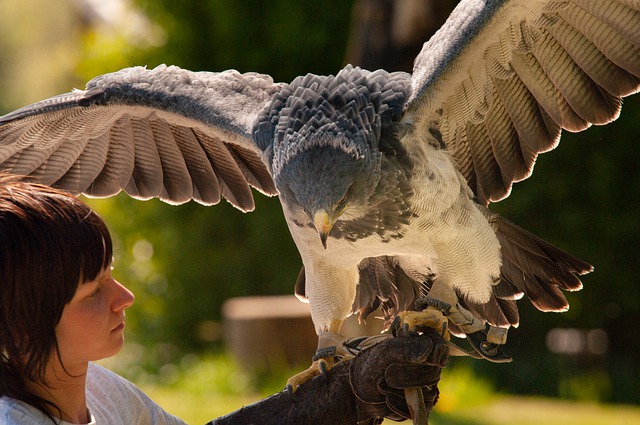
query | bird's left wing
(501,79)
(163,132)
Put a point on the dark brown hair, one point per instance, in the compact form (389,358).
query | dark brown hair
(50,241)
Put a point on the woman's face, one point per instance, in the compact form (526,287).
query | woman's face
(92,324)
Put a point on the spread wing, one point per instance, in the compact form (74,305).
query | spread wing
(501,79)
(165,132)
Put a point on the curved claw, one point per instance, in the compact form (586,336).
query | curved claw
(300,378)
(430,317)
(323,367)
(320,366)
(289,389)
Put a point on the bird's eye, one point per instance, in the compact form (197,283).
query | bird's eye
(342,203)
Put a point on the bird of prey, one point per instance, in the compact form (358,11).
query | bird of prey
(384,178)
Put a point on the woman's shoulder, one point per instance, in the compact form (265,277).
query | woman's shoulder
(103,382)
(97,372)
(113,399)
(15,412)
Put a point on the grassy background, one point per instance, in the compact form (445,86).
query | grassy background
(201,389)
(501,410)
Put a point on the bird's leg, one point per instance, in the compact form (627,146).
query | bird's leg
(487,344)
(330,350)
(436,314)
(431,311)
(431,316)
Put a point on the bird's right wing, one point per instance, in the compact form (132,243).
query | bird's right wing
(502,78)
(164,132)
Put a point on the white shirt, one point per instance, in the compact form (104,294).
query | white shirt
(111,400)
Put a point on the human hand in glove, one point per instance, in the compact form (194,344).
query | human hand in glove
(362,390)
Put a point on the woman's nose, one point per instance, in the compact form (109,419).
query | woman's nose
(123,297)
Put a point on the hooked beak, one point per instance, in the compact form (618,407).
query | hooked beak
(323,224)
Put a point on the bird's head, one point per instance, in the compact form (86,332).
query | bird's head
(321,136)
(329,178)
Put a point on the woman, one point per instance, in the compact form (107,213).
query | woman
(61,309)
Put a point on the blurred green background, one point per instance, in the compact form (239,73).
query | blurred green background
(183,262)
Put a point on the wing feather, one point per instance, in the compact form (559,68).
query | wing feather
(608,40)
(85,169)
(616,15)
(166,132)
(584,96)
(59,162)
(514,162)
(589,58)
(251,166)
(119,162)
(233,184)
(551,100)
(502,78)
(177,186)
(206,189)
(146,179)
(533,133)
(486,168)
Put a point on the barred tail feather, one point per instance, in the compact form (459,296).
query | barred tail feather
(536,268)
(497,311)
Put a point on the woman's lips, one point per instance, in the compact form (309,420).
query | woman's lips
(119,327)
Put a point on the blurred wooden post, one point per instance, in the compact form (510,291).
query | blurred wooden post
(271,332)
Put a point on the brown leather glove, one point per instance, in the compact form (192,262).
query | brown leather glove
(362,390)
(380,375)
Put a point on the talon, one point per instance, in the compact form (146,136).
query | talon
(435,314)
(322,367)
(395,326)
(296,380)
(430,317)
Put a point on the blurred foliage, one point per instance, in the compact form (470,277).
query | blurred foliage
(183,262)
(461,388)
(585,198)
